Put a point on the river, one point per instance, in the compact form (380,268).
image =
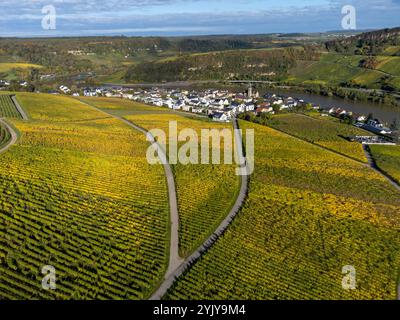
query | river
(383,112)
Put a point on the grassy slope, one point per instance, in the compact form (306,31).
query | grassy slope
(77,193)
(8,66)
(205,192)
(308,214)
(388,159)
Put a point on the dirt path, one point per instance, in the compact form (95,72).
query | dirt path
(169,281)
(14,136)
(174,259)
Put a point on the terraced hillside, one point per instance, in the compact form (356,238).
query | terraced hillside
(387,159)
(326,132)
(205,192)
(309,213)
(77,193)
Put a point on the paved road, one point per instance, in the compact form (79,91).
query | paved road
(375,167)
(174,259)
(14,136)
(19,108)
(169,281)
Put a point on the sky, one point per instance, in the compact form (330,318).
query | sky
(31,18)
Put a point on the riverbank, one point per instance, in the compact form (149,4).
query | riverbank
(383,112)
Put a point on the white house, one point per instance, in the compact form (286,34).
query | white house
(222,117)
(65,89)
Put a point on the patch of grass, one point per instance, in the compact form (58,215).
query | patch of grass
(388,159)
(391,65)
(368,78)
(392,50)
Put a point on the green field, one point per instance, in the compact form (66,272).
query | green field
(205,192)
(16,71)
(392,50)
(331,68)
(7,66)
(387,159)
(326,132)
(391,65)
(309,213)
(77,193)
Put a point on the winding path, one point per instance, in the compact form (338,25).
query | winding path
(174,259)
(14,136)
(172,277)
(177,266)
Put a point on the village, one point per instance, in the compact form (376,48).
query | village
(220,105)
(223,105)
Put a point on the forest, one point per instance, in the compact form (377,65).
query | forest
(240,64)
(369,43)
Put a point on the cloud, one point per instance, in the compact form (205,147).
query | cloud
(174,17)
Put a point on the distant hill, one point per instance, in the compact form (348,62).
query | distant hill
(266,64)
(380,42)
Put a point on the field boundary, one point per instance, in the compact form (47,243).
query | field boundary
(19,108)
(209,242)
(376,168)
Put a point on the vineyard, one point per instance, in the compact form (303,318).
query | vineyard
(77,193)
(309,213)
(4,136)
(7,107)
(387,159)
(122,107)
(205,192)
(328,133)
